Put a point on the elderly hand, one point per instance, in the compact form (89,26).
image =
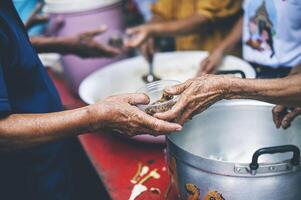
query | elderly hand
(211,63)
(121,114)
(196,96)
(283,116)
(84,45)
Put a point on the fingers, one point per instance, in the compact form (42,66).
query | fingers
(93,33)
(106,51)
(176,111)
(278,114)
(158,125)
(138,37)
(178,89)
(132,31)
(38,8)
(186,116)
(287,120)
(132,98)
(207,67)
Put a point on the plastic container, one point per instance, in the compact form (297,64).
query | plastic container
(80,16)
(159,101)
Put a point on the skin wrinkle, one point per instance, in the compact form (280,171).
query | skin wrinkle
(202,92)
(18,131)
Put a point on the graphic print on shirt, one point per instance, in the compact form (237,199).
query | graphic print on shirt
(261,23)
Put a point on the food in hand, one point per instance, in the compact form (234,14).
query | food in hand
(164,104)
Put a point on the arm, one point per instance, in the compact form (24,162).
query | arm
(200,93)
(284,91)
(178,27)
(233,38)
(210,64)
(25,130)
(82,45)
(19,131)
(159,27)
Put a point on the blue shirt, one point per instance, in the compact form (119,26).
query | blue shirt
(42,172)
(25,86)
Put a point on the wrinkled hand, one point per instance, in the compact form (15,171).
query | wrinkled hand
(211,63)
(36,18)
(283,116)
(139,35)
(196,96)
(84,45)
(120,113)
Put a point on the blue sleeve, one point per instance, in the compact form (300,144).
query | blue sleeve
(4,102)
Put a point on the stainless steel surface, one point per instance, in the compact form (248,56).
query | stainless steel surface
(215,149)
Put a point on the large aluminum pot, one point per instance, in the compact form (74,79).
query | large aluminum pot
(233,151)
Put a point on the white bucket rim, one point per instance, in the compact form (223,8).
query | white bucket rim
(71,6)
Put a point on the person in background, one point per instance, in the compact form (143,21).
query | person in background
(144,8)
(83,45)
(35,131)
(196,24)
(271,32)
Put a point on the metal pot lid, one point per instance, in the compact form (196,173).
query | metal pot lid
(231,131)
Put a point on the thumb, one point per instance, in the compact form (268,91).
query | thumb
(137,98)
(178,89)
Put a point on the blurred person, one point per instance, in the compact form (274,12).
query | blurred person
(195,24)
(83,45)
(34,131)
(270,31)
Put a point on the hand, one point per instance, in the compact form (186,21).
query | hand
(36,18)
(211,63)
(139,35)
(283,117)
(196,96)
(84,45)
(120,113)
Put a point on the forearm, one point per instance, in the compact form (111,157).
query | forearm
(19,131)
(178,27)
(51,44)
(233,38)
(284,91)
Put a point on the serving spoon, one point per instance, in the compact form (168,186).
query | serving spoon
(150,76)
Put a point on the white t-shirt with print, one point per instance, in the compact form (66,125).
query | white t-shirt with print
(272,32)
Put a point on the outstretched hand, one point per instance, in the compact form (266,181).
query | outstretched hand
(210,64)
(85,45)
(120,113)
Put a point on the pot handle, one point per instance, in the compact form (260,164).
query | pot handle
(225,72)
(272,150)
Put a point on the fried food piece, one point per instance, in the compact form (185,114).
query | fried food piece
(161,107)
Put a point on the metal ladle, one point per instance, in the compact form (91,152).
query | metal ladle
(150,77)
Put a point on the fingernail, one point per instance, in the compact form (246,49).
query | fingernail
(179,128)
